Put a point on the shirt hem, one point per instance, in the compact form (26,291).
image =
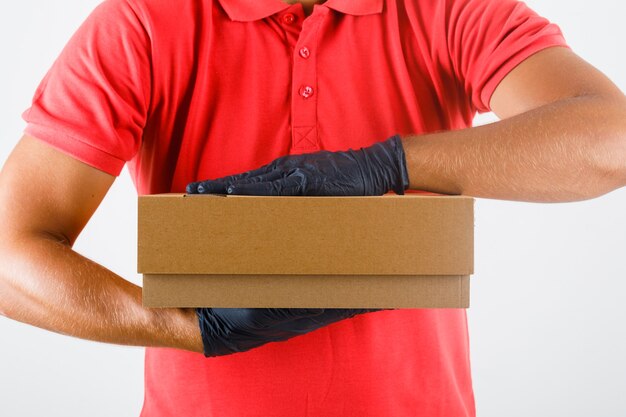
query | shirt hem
(76,148)
(504,70)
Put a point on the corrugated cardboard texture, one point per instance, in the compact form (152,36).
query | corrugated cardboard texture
(306,291)
(243,235)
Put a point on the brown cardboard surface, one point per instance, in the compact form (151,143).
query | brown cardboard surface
(401,235)
(306,291)
(412,251)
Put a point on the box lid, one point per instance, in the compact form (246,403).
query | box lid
(387,235)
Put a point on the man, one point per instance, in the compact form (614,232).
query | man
(202,90)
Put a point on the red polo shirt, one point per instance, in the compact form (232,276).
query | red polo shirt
(196,89)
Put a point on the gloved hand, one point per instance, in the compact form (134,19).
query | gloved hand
(369,171)
(230,330)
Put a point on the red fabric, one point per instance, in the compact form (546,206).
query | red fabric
(189,90)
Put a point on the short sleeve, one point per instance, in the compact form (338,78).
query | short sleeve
(92,103)
(488,38)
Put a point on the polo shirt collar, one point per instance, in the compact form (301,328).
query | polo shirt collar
(250,10)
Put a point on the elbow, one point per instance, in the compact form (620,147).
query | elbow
(620,170)
(610,162)
(609,157)
(5,266)
(18,251)
(616,166)
(611,166)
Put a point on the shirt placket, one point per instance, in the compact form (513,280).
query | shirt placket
(304,88)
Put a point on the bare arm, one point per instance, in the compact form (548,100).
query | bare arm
(46,198)
(563,138)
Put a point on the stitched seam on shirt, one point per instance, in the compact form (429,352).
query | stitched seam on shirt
(77,139)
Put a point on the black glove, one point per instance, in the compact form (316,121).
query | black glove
(369,171)
(230,330)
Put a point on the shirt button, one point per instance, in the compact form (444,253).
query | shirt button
(306,91)
(304,52)
(289,18)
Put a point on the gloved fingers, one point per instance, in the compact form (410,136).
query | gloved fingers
(329,316)
(262,315)
(207,187)
(225,331)
(192,187)
(273,175)
(284,315)
(293,184)
(220,185)
(272,318)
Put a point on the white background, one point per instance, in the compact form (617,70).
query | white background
(547,322)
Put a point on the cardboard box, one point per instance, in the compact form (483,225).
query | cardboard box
(411,251)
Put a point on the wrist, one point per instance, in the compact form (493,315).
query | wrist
(178,328)
(214,333)
(385,165)
(395,142)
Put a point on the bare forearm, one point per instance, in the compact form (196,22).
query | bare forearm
(569,150)
(45,283)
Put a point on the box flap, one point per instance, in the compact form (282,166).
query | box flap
(308,291)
